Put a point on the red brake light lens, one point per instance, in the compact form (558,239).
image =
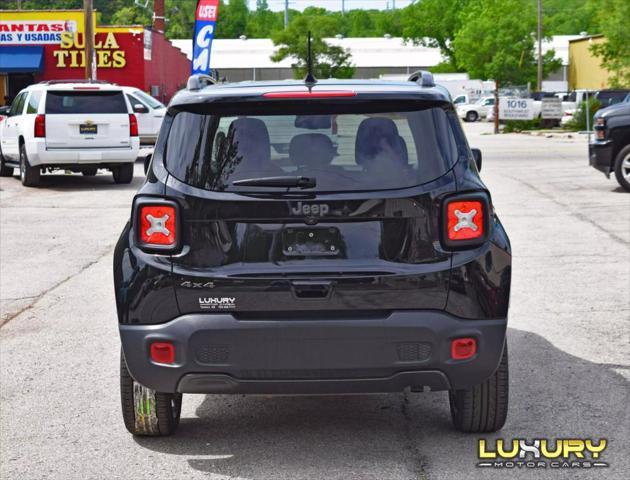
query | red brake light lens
(40,126)
(465,220)
(133,125)
(158,226)
(311,94)
(463,348)
(163,352)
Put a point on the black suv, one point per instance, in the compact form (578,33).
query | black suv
(609,150)
(300,238)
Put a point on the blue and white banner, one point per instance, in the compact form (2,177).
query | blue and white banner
(205,23)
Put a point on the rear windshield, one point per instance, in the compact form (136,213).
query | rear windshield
(85,102)
(342,151)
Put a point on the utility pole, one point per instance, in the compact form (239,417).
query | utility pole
(393,4)
(286,14)
(540,60)
(88,29)
(19,4)
(343,7)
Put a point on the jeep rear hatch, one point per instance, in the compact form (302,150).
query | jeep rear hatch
(362,237)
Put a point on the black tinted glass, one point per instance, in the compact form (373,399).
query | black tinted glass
(85,102)
(344,152)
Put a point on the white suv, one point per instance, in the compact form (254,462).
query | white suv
(70,126)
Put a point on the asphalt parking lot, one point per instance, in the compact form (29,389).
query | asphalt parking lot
(569,344)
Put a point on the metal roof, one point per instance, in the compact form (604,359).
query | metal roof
(366,52)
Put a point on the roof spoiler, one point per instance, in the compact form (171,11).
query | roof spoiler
(422,78)
(200,80)
(75,80)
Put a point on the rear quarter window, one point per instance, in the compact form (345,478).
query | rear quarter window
(33,102)
(74,102)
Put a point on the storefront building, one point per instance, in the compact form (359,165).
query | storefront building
(49,45)
(585,69)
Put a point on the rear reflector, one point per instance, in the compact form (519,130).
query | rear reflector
(133,125)
(311,94)
(463,348)
(157,225)
(163,352)
(40,126)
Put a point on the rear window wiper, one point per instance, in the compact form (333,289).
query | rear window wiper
(281,182)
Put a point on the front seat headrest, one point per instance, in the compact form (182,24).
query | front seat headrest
(376,137)
(311,150)
(249,140)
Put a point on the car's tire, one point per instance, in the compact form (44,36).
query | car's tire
(482,408)
(123,173)
(145,411)
(4,170)
(622,168)
(471,116)
(30,176)
(89,172)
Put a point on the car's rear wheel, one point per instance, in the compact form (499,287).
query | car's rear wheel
(145,411)
(622,168)
(471,116)
(4,170)
(123,173)
(89,172)
(482,408)
(29,176)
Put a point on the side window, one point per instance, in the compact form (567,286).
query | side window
(33,102)
(135,101)
(18,105)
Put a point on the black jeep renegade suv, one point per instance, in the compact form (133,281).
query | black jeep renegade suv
(298,238)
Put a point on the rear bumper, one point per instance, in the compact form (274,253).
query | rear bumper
(220,354)
(600,156)
(38,154)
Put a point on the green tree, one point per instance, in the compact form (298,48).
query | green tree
(360,22)
(434,23)
(494,42)
(233,18)
(328,60)
(570,17)
(615,51)
(263,21)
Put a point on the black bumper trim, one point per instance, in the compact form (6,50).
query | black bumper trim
(225,384)
(216,353)
(601,156)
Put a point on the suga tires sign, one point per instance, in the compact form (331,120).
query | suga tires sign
(205,21)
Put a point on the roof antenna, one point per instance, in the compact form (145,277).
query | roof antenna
(310,79)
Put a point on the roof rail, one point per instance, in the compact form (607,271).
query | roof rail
(423,78)
(75,80)
(199,81)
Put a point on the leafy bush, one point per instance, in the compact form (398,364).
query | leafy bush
(578,122)
(516,126)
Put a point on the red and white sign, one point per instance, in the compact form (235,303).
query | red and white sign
(36,32)
(207,10)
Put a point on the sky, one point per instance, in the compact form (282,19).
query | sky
(334,4)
